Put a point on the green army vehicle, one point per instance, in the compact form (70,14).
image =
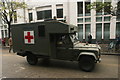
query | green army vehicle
(54,40)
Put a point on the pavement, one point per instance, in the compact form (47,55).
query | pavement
(110,53)
(106,53)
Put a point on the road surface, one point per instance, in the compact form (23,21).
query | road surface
(14,66)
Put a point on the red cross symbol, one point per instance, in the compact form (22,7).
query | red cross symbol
(29,37)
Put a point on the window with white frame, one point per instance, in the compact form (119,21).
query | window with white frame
(106,31)
(80,20)
(60,13)
(87,19)
(80,8)
(2,33)
(59,10)
(98,19)
(44,12)
(87,30)
(107,18)
(98,31)
(87,11)
(30,15)
(118,28)
(80,32)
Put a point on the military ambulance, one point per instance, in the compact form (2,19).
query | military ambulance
(54,40)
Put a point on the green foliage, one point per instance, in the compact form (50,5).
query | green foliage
(118,7)
(106,6)
(100,6)
(118,10)
(8,9)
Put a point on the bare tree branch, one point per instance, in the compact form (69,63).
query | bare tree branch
(8,9)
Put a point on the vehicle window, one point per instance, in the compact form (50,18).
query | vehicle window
(41,30)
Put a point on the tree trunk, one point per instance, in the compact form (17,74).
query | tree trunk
(9,29)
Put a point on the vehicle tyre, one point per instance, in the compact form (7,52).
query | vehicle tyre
(86,63)
(32,59)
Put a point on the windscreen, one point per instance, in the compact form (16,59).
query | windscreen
(64,41)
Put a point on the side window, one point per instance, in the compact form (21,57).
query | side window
(41,30)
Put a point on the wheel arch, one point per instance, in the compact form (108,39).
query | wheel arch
(82,54)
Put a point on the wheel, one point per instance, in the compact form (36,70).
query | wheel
(86,63)
(32,59)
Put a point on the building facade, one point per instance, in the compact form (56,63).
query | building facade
(100,24)
(3,29)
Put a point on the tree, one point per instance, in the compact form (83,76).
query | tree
(8,11)
(107,7)
(118,10)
